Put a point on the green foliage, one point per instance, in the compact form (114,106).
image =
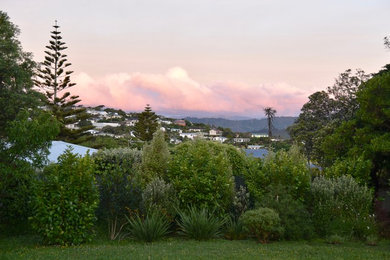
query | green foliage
(293,214)
(340,206)
(255,178)
(155,158)
(16,71)
(25,147)
(161,197)
(358,168)
(262,223)
(237,159)
(201,175)
(28,139)
(288,169)
(119,186)
(107,142)
(146,125)
(284,168)
(315,114)
(324,112)
(54,79)
(200,223)
(25,131)
(65,201)
(151,228)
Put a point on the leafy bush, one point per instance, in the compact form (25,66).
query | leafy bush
(24,141)
(284,168)
(262,223)
(294,216)
(201,175)
(65,201)
(237,159)
(151,228)
(160,196)
(358,168)
(200,224)
(119,189)
(155,158)
(340,206)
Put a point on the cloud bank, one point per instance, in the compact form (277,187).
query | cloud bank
(176,92)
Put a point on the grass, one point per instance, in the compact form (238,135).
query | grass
(27,247)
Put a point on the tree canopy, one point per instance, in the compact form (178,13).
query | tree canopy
(25,130)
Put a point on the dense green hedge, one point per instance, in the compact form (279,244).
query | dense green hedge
(202,175)
(65,201)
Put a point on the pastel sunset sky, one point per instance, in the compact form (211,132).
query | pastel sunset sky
(207,57)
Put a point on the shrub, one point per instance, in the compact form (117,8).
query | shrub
(201,175)
(280,168)
(237,159)
(262,223)
(340,206)
(155,158)
(294,217)
(200,224)
(15,193)
(160,196)
(151,228)
(119,189)
(65,201)
(358,168)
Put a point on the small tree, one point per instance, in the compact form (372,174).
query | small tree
(155,157)
(54,79)
(146,125)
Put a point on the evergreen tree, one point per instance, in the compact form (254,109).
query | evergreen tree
(146,125)
(155,157)
(54,79)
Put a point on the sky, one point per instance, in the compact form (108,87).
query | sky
(227,58)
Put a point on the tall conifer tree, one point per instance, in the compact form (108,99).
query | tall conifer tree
(54,79)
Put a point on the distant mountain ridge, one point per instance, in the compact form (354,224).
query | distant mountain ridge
(249,125)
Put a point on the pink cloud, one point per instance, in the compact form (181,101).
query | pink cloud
(177,91)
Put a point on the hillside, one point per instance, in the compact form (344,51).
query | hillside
(250,125)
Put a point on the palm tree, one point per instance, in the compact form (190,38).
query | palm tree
(270,114)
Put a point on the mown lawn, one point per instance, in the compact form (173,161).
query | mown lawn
(27,247)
